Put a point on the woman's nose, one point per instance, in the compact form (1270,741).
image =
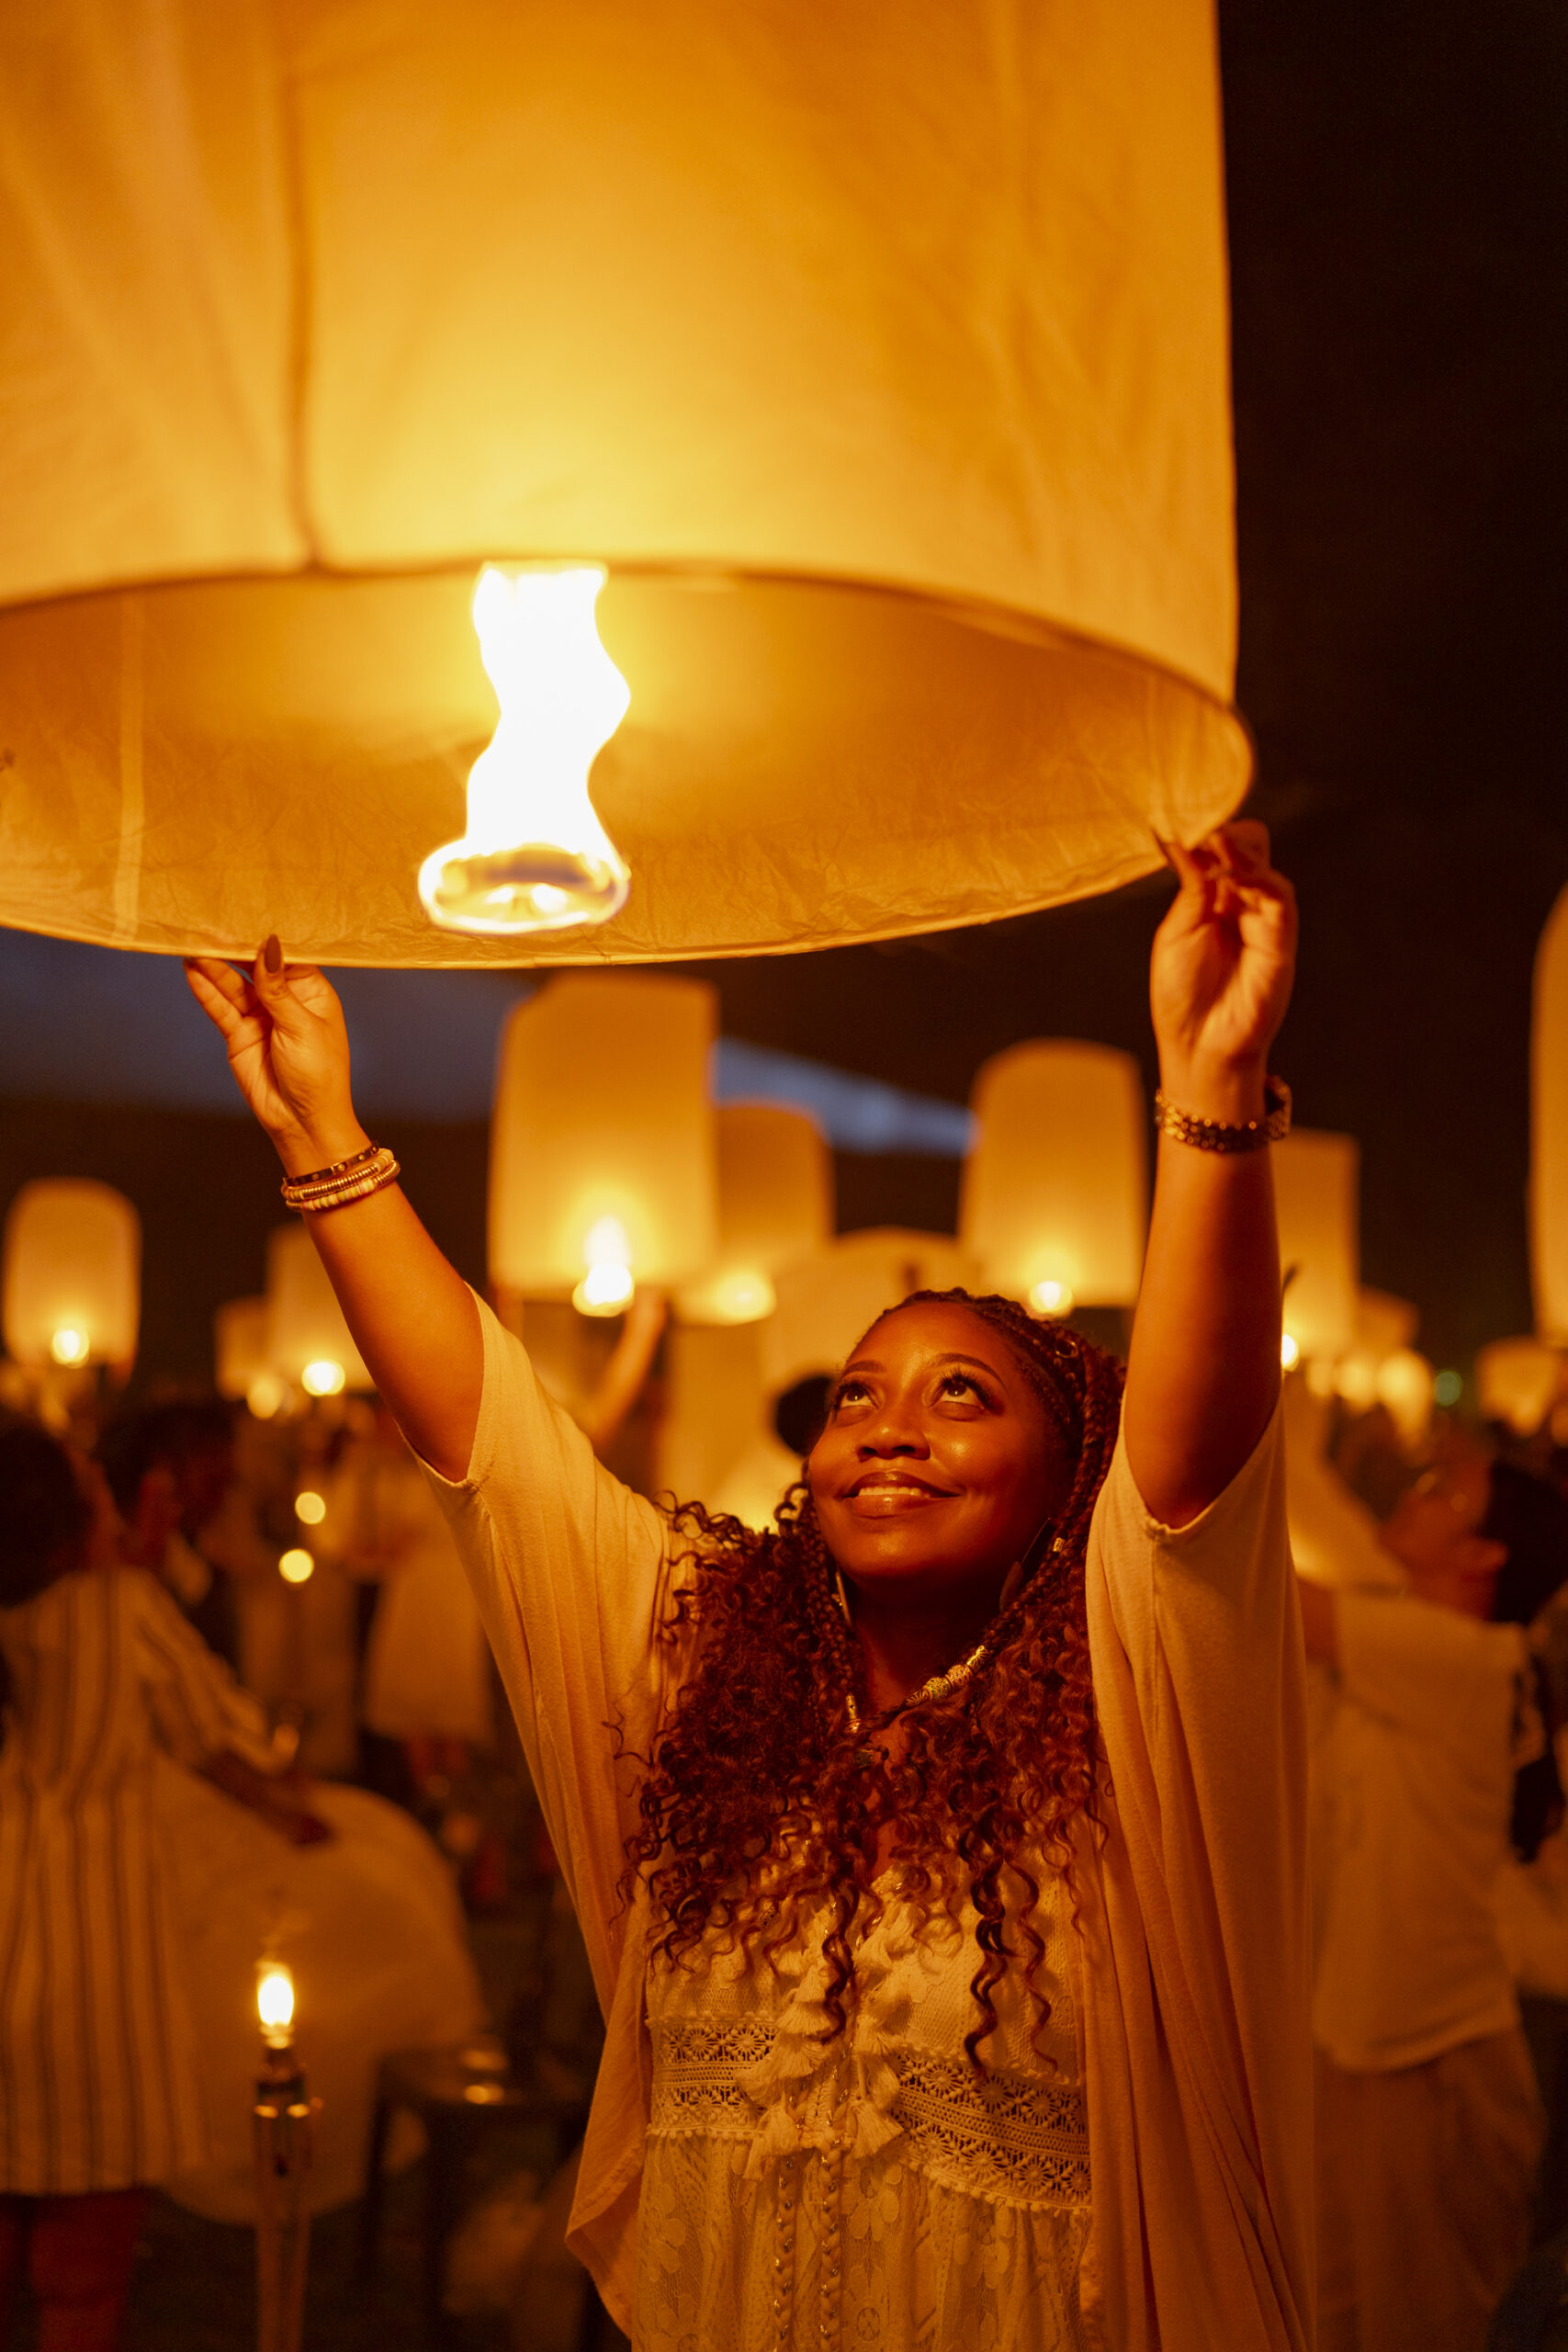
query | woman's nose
(895,1430)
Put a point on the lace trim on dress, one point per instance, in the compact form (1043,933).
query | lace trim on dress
(1008,2139)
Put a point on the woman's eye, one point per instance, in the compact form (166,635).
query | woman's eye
(848,1392)
(959,1383)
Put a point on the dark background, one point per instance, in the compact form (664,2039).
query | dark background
(1397,212)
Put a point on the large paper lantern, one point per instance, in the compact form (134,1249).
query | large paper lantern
(1549,1130)
(775,1205)
(1054,1191)
(601,1171)
(1318,1195)
(71,1291)
(308,1342)
(828,1301)
(879,360)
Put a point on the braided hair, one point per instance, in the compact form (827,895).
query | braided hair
(757,1805)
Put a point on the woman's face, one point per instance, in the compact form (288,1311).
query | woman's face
(939,1463)
(1434,1533)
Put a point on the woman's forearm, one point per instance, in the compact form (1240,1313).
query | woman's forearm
(414,1321)
(1204,1369)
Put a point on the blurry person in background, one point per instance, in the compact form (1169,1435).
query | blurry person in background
(1437,1759)
(170,1469)
(99,2086)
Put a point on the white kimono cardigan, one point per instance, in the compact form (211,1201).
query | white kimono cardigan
(1193,1979)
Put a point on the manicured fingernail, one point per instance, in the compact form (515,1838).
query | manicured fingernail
(272,953)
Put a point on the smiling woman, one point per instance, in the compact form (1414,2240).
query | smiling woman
(939,1850)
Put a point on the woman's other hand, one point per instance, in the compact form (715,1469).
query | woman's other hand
(1221,972)
(288,1050)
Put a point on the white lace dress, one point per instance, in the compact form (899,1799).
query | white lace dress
(869,2191)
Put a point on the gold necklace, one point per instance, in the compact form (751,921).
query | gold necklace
(941,1686)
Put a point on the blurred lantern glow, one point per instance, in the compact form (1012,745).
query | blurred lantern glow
(309,1507)
(602,1170)
(297,1565)
(1383,1322)
(534,856)
(1317,1192)
(1290,1352)
(826,1302)
(1054,1189)
(70,1286)
(1448,1388)
(1549,1130)
(240,1346)
(890,390)
(266,1396)
(1517,1381)
(275,2004)
(1405,1384)
(775,1205)
(309,1343)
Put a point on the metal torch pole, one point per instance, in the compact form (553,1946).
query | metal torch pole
(284,2123)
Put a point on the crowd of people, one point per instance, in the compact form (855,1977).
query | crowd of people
(1076,1860)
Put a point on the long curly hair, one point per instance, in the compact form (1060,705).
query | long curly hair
(760,1802)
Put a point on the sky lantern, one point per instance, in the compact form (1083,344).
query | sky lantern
(1549,1129)
(826,1302)
(1054,1199)
(513,482)
(1517,1382)
(1317,1195)
(71,1289)
(603,1169)
(775,1205)
(308,1342)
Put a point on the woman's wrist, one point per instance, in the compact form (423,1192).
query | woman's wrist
(323,1143)
(1214,1086)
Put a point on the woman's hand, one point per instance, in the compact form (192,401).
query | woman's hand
(1220,977)
(288,1051)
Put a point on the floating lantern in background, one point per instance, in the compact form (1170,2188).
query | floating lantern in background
(890,391)
(1517,1382)
(1549,1130)
(70,1288)
(826,1302)
(602,1168)
(775,1205)
(1406,1387)
(309,1343)
(1317,1178)
(1054,1198)
(241,1338)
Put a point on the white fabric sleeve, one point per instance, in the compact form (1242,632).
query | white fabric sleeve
(1433,1671)
(198,1710)
(569,1569)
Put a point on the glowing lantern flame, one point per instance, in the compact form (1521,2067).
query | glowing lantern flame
(322,1378)
(1290,1352)
(274,2005)
(309,1507)
(607,1286)
(297,1567)
(69,1345)
(1051,1298)
(534,856)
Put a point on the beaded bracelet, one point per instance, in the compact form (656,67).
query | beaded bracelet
(1219,1135)
(353,1179)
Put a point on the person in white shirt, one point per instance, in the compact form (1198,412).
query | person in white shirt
(1429,2123)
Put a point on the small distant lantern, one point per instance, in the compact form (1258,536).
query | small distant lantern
(1054,1189)
(825,1303)
(309,1343)
(775,1205)
(1405,1388)
(1517,1381)
(71,1291)
(602,1170)
(1549,1130)
(1317,1192)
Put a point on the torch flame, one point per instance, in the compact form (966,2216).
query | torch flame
(274,2003)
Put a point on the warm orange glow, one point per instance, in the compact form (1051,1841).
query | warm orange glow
(1051,1298)
(1290,1352)
(534,856)
(322,1378)
(297,1567)
(70,1344)
(275,2004)
(309,1507)
(608,1284)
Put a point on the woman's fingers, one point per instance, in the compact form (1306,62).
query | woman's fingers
(223,995)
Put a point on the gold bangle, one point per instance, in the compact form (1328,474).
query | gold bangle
(363,1176)
(339,1168)
(1219,1135)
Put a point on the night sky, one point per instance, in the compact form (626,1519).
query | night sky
(1396,213)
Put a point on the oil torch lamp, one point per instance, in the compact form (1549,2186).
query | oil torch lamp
(285,2122)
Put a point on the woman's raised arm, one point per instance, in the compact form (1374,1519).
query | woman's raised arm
(1204,1368)
(412,1315)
